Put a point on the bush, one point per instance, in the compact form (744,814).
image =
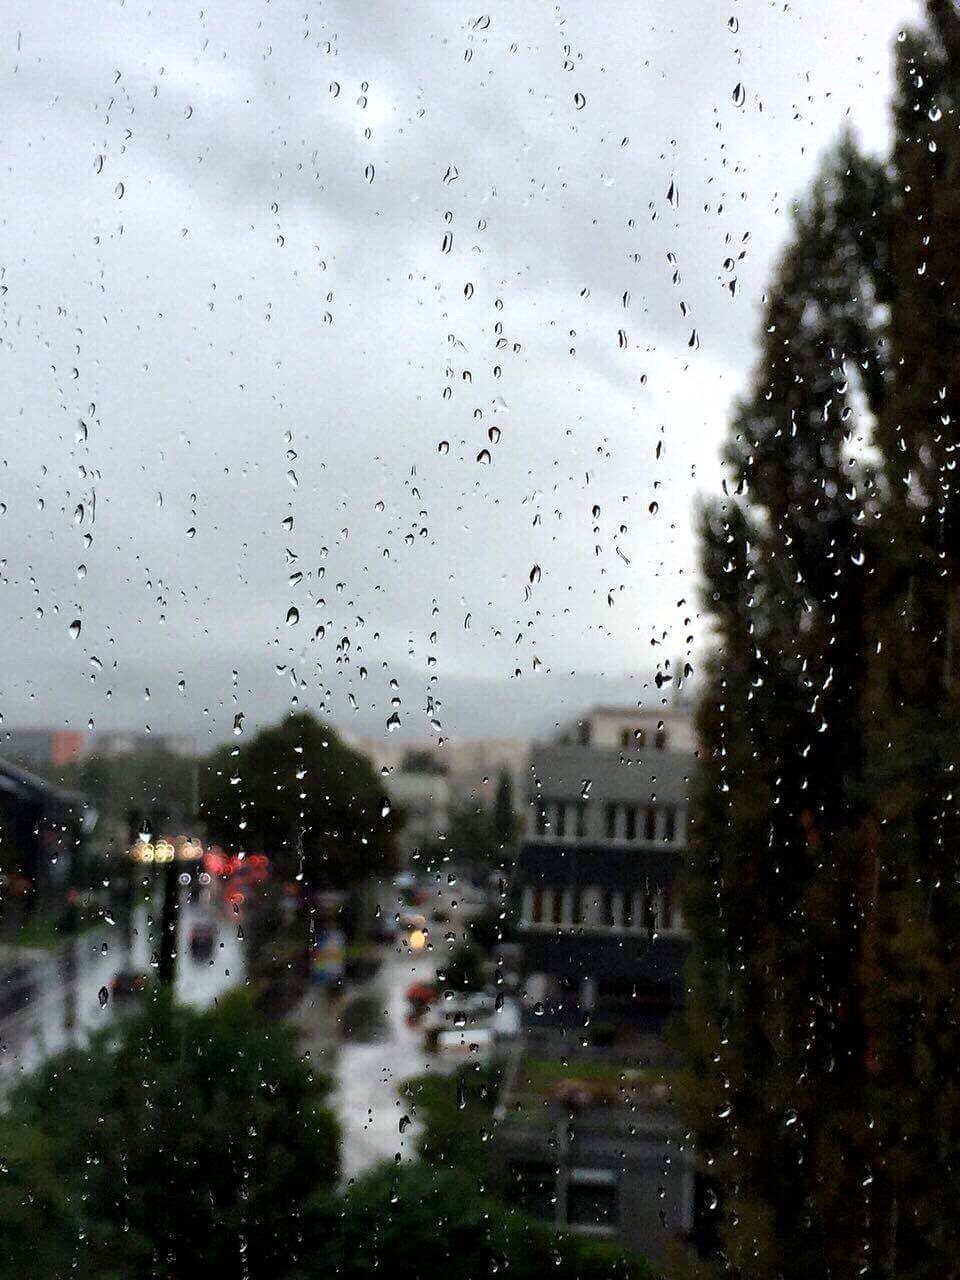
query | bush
(195,1142)
(433,1223)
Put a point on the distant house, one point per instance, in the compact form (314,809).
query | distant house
(41,831)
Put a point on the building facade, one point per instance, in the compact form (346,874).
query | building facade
(602,933)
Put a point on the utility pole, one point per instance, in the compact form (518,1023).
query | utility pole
(169,924)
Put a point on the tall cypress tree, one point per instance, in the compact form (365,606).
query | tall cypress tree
(913,704)
(777,1040)
(824,1028)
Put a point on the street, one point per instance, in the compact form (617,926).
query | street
(66,1003)
(375,1053)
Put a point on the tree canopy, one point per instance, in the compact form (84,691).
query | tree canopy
(182,1143)
(297,792)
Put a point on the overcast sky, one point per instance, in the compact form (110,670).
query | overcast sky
(423,278)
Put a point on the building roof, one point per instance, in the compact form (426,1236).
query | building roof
(563,770)
(27,786)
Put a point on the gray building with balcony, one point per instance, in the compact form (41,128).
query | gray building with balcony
(602,933)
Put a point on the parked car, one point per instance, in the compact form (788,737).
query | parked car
(129,986)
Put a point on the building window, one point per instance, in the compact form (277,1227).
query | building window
(556,907)
(649,919)
(666,920)
(660,738)
(607,918)
(631,824)
(670,829)
(583,733)
(610,821)
(561,823)
(581,818)
(592,1198)
(532,1188)
(541,819)
(536,908)
(650,823)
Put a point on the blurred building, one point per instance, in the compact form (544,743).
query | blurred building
(589,1142)
(418,786)
(603,936)
(44,749)
(41,831)
(430,780)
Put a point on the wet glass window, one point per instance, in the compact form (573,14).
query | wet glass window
(480,659)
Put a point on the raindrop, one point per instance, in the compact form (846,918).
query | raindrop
(493,435)
(733,24)
(739,95)
(483,456)
(74,628)
(579,101)
(103,995)
(119,190)
(293,616)
(443,446)
(334,89)
(369,173)
(535,574)
(446,243)
(468,290)
(98,164)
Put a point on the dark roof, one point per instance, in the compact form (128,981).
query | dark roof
(27,786)
(620,776)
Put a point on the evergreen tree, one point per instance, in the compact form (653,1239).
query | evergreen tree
(913,708)
(777,1040)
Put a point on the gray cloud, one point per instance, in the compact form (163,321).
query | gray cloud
(248,304)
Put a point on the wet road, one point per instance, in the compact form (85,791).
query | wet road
(65,1006)
(376,1052)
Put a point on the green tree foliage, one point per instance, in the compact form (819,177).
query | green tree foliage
(305,798)
(143,783)
(913,963)
(777,1042)
(433,1222)
(823,1027)
(456,1115)
(188,1144)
